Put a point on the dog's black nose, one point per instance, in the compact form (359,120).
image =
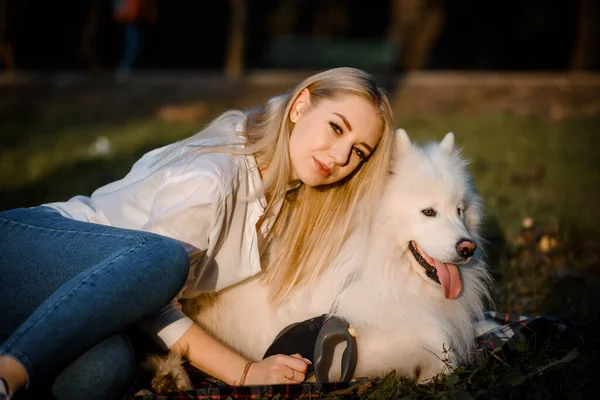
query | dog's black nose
(466,248)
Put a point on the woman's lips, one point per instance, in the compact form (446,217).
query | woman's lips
(322,168)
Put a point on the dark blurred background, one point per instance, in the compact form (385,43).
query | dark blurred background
(549,35)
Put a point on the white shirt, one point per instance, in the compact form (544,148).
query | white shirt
(197,200)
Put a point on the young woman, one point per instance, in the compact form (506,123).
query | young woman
(273,190)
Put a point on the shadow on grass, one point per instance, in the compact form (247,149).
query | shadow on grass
(545,272)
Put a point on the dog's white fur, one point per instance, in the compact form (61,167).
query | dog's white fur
(403,320)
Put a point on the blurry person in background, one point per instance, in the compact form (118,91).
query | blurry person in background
(132,14)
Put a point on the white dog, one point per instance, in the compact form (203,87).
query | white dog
(412,285)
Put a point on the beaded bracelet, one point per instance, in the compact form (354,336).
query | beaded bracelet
(245,373)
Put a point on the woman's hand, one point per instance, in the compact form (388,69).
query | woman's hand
(211,356)
(278,369)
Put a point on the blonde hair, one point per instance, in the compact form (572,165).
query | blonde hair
(319,218)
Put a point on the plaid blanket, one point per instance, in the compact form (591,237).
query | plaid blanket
(205,390)
(537,332)
(511,331)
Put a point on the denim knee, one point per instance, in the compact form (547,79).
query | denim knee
(106,371)
(170,265)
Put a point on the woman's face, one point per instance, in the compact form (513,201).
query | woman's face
(330,140)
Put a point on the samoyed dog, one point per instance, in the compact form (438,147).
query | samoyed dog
(412,285)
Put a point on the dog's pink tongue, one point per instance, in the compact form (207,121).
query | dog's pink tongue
(449,278)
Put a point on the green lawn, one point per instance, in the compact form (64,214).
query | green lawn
(523,167)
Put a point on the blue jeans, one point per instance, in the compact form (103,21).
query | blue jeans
(68,289)
(133,37)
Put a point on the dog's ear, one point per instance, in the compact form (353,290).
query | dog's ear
(447,143)
(402,140)
(402,143)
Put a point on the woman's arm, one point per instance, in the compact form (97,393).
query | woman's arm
(210,356)
(191,207)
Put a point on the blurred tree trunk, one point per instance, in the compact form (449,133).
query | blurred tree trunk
(89,36)
(7,58)
(330,18)
(284,18)
(234,63)
(415,26)
(322,19)
(586,51)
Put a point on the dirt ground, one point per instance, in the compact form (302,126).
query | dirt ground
(193,96)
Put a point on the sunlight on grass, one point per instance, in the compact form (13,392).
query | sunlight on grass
(39,156)
(526,167)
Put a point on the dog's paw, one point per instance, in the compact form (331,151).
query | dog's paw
(168,374)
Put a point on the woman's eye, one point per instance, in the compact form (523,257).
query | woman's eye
(336,128)
(429,212)
(361,154)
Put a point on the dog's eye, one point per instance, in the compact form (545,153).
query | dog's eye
(459,210)
(429,212)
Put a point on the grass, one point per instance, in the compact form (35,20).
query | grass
(527,167)
(523,167)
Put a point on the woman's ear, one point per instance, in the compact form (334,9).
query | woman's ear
(299,105)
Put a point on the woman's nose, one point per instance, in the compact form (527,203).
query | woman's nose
(341,154)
